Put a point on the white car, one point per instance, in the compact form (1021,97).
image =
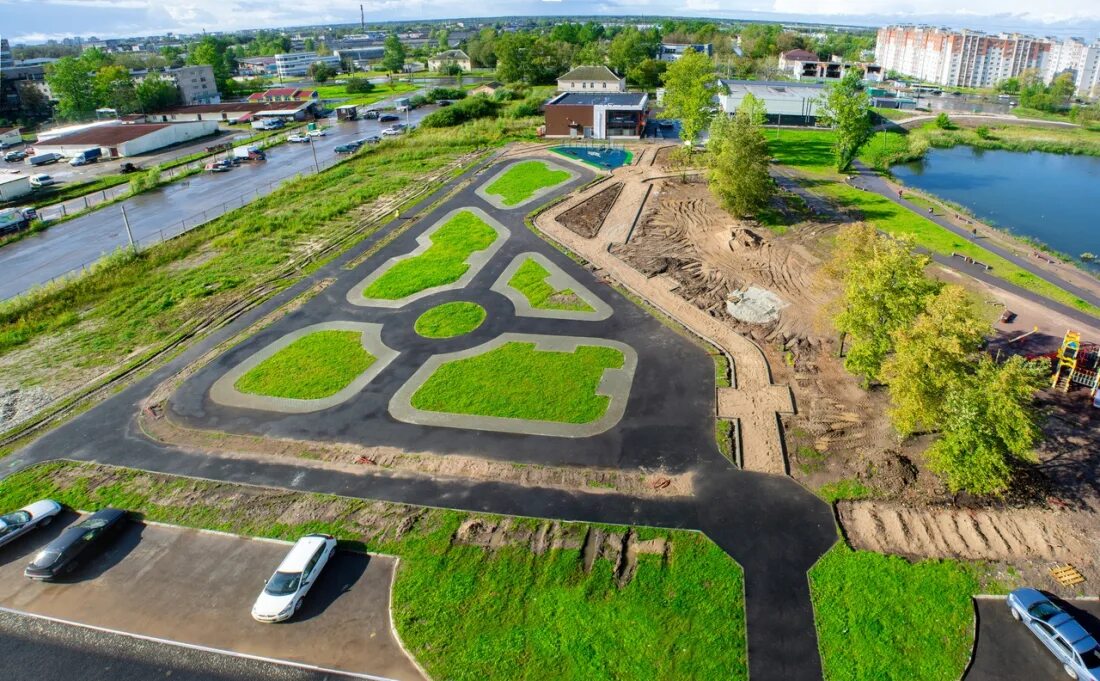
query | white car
(297,138)
(283,593)
(393,132)
(42,180)
(16,524)
(319,132)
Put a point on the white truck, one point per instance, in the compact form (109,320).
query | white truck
(249,152)
(267,124)
(16,219)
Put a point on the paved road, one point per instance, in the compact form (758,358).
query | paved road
(197,588)
(40,650)
(1007,651)
(39,258)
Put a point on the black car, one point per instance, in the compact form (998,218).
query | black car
(75,544)
(128,168)
(386,118)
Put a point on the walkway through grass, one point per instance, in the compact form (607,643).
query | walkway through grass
(443,263)
(517,381)
(465,613)
(522,180)
(312,367)
(530,280)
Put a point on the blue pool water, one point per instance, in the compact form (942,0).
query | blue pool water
(601,157)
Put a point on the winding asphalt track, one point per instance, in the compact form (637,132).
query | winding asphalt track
(770,525)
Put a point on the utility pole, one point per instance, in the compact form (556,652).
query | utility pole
(362,20)
(129,234)
(316,166)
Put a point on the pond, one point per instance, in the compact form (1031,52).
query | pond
(1049,197)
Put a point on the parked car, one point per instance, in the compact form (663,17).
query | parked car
(42,180)
(76,544)
(219,166)
(17,523)
(283,593)
(444,102)
(393,132)
(1075,649)
(349,148)
(17,155)
(319,132)
(297,138)
(128,168)
(373,139)
(371,113)
(387,118)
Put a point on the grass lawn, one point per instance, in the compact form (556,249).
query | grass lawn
(443,263)
(894,114)
(450,319)
(530,280)
(523,180)
(517,381)
(314,366)
(882,618)
(809,149)
(380,92)
(463,612)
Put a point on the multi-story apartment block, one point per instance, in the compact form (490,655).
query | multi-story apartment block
(297,64)
(196,84)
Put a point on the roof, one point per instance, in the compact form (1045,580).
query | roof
(451,54)
(600,72)
(300,553)
(7,178)
(4,131)
(772,89)
(106,135)
(599,99)
(492,85)
(291,92)
(799,55)
(232,107)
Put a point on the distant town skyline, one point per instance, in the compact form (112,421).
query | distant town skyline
(31,22)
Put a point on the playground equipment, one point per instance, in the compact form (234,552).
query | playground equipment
(602,154)
(1076,363)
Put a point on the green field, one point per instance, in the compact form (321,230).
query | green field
(882,618)
(443,263)
(450,319)
(314,366)
(530,280)
(522,180)
(381,91)
(466,613)
(517,381)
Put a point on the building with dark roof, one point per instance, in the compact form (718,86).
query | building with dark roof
(236,112)
(673,51)
(591,79)
(597,115)
(117,140)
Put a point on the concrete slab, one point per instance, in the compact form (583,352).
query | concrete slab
(497,201)
(560,281)
(224,390)
(198,588)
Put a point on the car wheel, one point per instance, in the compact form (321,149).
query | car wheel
(298,605)
(46,521)
(1069,671)
(1015,614)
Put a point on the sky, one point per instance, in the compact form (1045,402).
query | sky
(38,20)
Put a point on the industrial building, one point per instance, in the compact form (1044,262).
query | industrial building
(611,115)
(236,112)
(784,102)
(118,140)
(296,64)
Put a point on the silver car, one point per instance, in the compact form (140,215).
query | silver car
(1078,652)
(17,523)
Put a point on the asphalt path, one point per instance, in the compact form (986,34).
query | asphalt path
(774,528)
(41,257)
(1007,650)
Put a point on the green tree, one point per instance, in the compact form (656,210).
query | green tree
(155,93)
(989,422)
(320,72)
(590,53)
(647,73)
(114,88)
(72,82)
(308,45)
(511,51)
(690,86)
(738,160)
(211,52)
(847,108)
(931,358)
(32,101)
(884,290)
(443,39)
(630,47)
(393,54)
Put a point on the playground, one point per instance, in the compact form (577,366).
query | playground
(601,155)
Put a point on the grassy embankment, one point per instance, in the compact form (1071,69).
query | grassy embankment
(314,366)
(128,304)
(518,381)
(378,93)
(530,280)
(523,180)
(810,152)
(443,263)
(462,611)
(450,319)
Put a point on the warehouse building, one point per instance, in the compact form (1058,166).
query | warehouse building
(130,139)
(236,112)
(785,103)
(612,115)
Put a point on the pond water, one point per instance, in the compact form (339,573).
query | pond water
(1050,197)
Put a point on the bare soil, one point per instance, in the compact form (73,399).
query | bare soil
(586,218)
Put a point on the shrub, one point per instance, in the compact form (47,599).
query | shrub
(982,132)
(418,100)
(527,107)
(468,109)
(943,122)
(436,94)
(506,95)
(356,86)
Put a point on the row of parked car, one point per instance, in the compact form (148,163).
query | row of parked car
(282,595)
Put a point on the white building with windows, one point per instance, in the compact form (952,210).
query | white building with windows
(591,79)
(296,64)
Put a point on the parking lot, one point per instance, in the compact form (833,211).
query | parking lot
(197,588)
(1006,649)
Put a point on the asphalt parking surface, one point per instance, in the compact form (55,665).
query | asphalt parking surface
(197,588)
(1006,650)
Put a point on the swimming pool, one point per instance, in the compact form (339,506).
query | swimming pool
(605,158)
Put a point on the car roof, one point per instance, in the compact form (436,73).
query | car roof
(300,553)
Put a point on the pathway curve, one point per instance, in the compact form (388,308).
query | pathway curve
(771,525)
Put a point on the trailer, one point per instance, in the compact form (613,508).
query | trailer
(348,112)
(249,153)
(16,219)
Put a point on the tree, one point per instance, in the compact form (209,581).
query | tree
(647,74)
(211,52)
(630,47)
(739,159)
(320,72)
(32,101)
(931,358)
(114,88)
(308,45)
(393,54)
(443,39)
(884,291)
(989,422)
(155,93)
(690,86)
(358,86)
(72,82)
(847,108)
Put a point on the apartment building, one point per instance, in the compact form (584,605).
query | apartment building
(296,64)
(196,84)
(1081,60)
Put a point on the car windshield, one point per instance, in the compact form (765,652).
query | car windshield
(46,558)
(18,518)
(283,583)
(1044,610)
